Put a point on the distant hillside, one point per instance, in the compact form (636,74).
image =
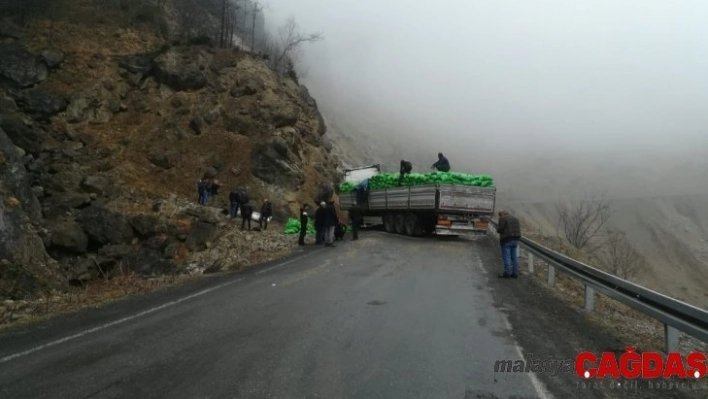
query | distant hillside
(671,232)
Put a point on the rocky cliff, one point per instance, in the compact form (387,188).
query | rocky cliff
(104,135)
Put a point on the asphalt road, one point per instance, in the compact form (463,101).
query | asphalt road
(382,317)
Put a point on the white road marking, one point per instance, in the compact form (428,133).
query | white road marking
(279,265)
(113,323)
(537,384)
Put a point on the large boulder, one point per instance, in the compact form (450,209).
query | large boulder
(41,104)
(65,181)
(273,162)
(200,234)
(22,134)
(60,203)
(116,251)
(24,263)
(21,68)
(181,70)
(80,109)
(240,124)
(52,57)
(247,87)
(146,225)
(148,262)
(141,64)
(204,214)
(105,227)
(96,184)
(67,236)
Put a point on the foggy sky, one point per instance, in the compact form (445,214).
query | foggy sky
(585,79)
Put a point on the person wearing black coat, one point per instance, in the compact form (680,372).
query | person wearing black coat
(304,218)
(266,213)
(443,165)
(319,224)
(330,222)
(356,216)
(235,201)
(406,169)
(246,213)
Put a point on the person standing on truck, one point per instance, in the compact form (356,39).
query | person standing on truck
(509,230)
(355,218)
(442,165)
(406,168)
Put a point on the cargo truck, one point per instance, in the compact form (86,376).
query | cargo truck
(442,208)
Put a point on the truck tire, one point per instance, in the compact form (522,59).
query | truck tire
(412,226)
(401,223)
(389,222)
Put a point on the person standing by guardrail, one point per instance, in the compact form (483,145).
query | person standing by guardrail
(509,230)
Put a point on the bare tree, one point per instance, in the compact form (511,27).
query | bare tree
(580,222)
(257,8)
(618,256)
(290,39)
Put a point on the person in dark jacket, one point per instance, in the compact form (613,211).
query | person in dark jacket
(201,187)
(319,224)
(235,201)
(330,222)
(442,165)
(303,224)
(355,218)
(266,213)
(509,230)
(246,213)
(406,168)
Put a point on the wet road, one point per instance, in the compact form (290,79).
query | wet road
(382,317)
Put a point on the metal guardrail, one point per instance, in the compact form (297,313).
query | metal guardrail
(676,315)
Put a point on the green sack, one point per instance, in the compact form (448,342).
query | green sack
(390,180)
(292,226)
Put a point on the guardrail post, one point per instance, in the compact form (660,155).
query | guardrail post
(551,274)
(589,298)
(671,338)
(529,261)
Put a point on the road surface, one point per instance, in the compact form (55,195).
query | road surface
(382,317)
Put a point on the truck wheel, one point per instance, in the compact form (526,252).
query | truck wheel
(389,223)
(412,226)
(401,223)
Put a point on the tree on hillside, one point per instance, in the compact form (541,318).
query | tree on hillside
(283,51)
(618,257)
(579,222)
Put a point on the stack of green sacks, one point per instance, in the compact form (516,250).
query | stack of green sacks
(390,180)
(293,227)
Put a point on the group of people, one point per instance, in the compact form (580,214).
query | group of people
(328,226)
(207,188)
(442,165)
(239,200)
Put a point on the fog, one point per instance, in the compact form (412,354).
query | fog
(546,96)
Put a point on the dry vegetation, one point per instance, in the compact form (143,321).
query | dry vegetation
(629,325)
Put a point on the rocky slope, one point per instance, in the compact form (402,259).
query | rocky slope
(102,142)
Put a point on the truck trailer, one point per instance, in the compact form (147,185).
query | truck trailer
(441,208)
